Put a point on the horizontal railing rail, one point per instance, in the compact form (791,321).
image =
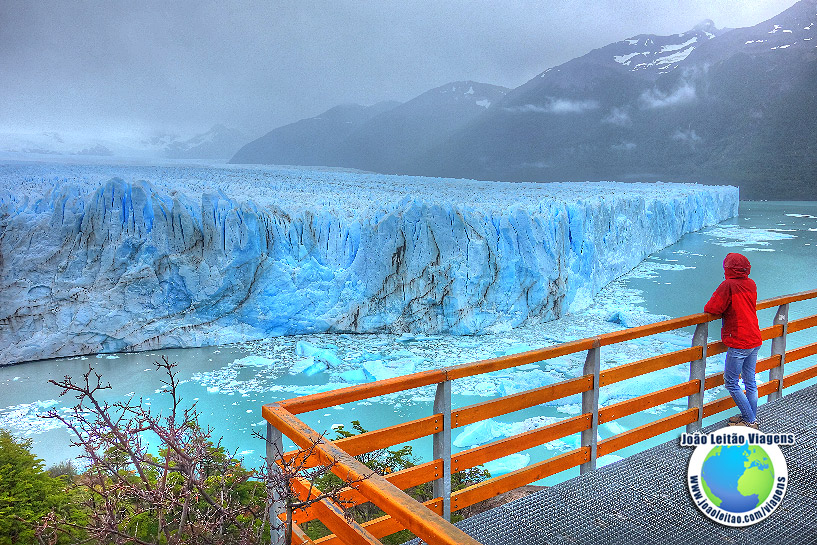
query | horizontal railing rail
(429,520)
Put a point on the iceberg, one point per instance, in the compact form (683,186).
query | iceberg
(300,365)
(486,431)
(509,463)
(112,258)
(381,370)
(355,376)
(480,433)
(325,355)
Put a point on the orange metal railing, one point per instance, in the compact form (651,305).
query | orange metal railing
(430,520)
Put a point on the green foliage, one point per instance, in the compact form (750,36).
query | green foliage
(468,477)
(27,493)
(385,461)
(65,469)
(191,491)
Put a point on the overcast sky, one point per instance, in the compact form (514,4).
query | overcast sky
(124,67)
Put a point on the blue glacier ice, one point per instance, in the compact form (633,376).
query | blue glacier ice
(107,258)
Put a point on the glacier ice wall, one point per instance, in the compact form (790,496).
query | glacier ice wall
(89,266)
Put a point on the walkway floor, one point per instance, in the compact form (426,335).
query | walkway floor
(643,499)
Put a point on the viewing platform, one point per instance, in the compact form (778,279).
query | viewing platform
(640,499)
(643,499)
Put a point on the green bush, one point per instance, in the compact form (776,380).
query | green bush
(385,461)
(27,493)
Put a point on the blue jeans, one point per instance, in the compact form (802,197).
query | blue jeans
(741,362)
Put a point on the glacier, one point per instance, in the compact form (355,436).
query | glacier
(111,258)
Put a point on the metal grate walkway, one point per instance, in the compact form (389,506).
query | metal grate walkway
(643,499)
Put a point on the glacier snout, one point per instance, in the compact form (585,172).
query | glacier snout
(130,265)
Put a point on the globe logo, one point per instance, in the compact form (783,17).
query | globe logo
(734,480)
(737,478)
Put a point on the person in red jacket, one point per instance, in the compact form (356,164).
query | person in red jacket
(735,301)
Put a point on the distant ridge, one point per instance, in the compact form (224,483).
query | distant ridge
(312,141)
(387,137)
(708,105)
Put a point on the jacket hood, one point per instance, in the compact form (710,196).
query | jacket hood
(736,266)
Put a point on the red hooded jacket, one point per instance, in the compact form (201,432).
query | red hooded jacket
(736,301)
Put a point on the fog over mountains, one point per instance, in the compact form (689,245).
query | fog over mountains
(715,106)
(218,144)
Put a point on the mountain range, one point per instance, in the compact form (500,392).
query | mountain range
(217,144)
(728,106)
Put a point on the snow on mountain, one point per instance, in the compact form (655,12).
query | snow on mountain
(792,31)
(114,258)
(714,106)
(654,54)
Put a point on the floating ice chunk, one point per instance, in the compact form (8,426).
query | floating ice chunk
(487,430)
(615,428)
(318,366)
(673,339)
(303,348)
(355,376)
(651,382)
(634,318)
(298,366)
(316,388)
(483,388)
(375,370)
(507,464)
(381,370)
(527,380)
(570,408)
(515,349)
(608,459)
(255,361)
(733,236)
(26,417)
(529,424)
(479,433)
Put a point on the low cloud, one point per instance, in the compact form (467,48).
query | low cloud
(624,146)
(688,136)
(618,116)
(537,164)
(558,106)
(654,98)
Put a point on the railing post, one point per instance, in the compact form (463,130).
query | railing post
(275,448)
(442,446)
(590,404)
(779,348)
(697,371)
